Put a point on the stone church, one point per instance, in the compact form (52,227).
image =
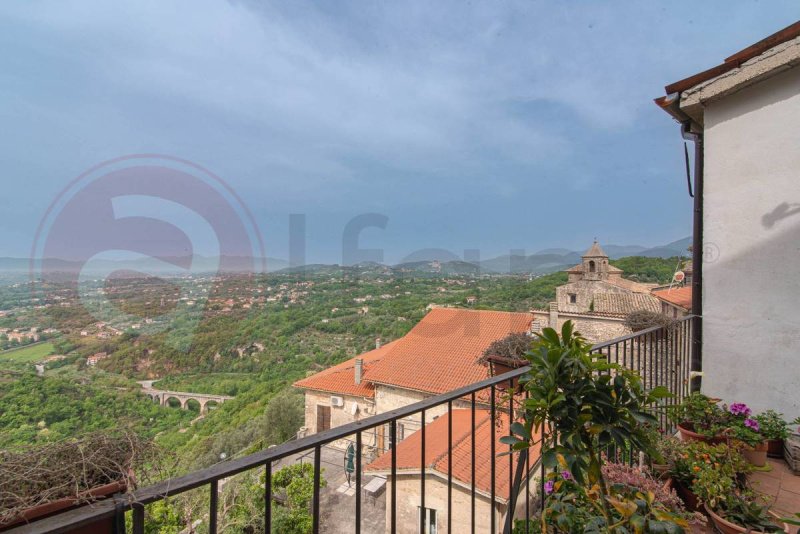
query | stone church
(597,299)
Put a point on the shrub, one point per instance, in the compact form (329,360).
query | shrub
(616,473)
(772,425)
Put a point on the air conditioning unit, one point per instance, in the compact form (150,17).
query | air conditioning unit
(337,401)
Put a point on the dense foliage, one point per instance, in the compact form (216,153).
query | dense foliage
(579,405)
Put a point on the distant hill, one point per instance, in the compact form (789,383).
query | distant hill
(423,262)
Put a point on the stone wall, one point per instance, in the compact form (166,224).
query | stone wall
(593,328)
(408,501)
(339,415)
(584,292)
(389,398)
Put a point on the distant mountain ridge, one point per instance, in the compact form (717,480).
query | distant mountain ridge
(428,262)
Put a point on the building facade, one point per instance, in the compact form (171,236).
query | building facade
(596,298)
(744,116)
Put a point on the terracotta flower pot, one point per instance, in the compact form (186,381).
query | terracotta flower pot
(660,471)
(775,448)
(726,527)
(688,497)
(499,365)
(757,455)
(688,434)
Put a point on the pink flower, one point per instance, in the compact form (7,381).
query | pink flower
(752,424)
(739,408)
(548,487)
(566,475)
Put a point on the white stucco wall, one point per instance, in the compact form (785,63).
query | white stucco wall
(751,287)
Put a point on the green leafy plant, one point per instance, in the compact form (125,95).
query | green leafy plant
(572,507)
(701,414)
(296,483)
(746,512)
(772,425)
(580,405)
(667,450)
(792,520)
(710,471)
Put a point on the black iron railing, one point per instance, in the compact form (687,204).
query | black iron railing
(660,355)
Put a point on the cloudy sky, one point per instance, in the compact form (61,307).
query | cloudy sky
(470,125)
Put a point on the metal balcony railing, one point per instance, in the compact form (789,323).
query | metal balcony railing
(660,355)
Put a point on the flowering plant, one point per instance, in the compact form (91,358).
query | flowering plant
(743,427)
(772,425)
(703,415)
(710,471)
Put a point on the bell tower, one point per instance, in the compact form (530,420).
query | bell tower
(595,263)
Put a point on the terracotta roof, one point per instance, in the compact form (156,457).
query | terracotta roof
(678,296)
(341,378)
(579,269)
(409,451)
(440,353)
(630,285)
(787,34)
(595,251)
(624,303)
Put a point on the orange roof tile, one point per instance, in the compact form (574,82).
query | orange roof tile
(341,378)
(440,353)
(678,296)
(436,455)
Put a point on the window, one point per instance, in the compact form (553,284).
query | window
(401,432)
(573,298)
(591,266)
(429,520)
(323,417)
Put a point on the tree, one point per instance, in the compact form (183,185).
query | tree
(284,415)
(295,485)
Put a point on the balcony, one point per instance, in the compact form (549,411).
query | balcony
(452,475)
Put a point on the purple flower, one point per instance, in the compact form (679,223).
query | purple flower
(739,408)
(566,475)
(752,424)
(548,487)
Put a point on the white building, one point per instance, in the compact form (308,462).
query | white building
(745,117)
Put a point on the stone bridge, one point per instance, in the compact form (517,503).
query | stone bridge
(162,396)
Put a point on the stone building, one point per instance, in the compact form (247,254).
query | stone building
(438,469)
(439,354)
(596,298)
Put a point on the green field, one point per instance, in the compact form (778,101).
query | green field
(28,354)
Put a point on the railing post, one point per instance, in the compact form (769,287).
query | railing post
(522,461)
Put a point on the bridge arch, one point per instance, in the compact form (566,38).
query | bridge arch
(173,401)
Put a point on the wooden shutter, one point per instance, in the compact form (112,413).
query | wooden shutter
(323,418)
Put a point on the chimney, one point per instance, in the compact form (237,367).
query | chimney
(359,368)
(377,342)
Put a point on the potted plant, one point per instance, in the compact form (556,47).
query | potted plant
(774,429)
(742,513)
(700,418)
(579,404)
(747,431)
(635,477)
(667,450)
(506,354)
(702,472)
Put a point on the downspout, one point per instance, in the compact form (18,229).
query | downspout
(697,256)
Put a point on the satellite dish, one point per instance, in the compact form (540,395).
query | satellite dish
(679,276)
